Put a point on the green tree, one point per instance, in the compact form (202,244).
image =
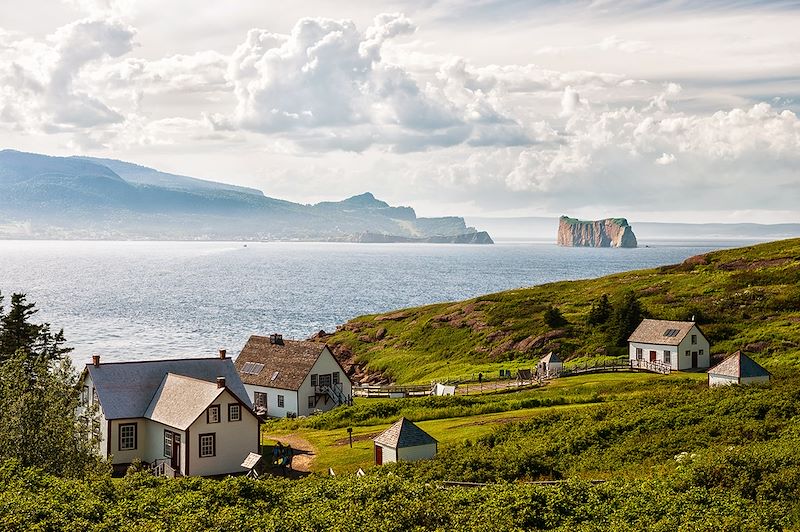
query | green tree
(600,312)
(39,421)
(19,334)
(626,317)
(553,317)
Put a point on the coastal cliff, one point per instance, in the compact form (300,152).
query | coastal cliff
(610,232)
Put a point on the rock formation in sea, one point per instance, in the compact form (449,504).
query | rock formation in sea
(610,232)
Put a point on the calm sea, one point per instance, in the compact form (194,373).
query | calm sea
(139,300)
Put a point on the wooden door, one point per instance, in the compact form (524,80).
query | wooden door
(652,356)
(378,455)
(175,461)
(694,359)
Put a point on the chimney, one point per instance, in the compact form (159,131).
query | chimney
(222,353)
(220,382)
(96,360)
(276,339)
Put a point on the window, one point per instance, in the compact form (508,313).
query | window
(638,353)
(694,339)
(687,353)
(85,395)
(314,379)
(212,414)
(671,332)
(667,357)
(700,352)
(280,401)
(168,443)
(94,395)
(260,400)
(336,377)
(234,412)
(311,401)
(252,368)
(208,445)
(127,436)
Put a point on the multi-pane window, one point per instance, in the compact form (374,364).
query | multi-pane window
(85,395)
(667,357)
(688,353)
(700,352)
(313,379)
(234,412)
(260,400)
(311,401)
(694,339)
(127,437)
(336,377)
(638,353)
(168,443)
(212,414)
(280,401)
(208,445)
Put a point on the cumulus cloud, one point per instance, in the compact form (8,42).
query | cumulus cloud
(665,159)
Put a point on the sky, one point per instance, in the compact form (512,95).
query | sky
(673,110)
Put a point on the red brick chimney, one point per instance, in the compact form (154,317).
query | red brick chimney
(96,360)
(220,382)
(222,353)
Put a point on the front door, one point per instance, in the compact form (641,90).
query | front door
(694,359)
(175,461)
(652,356)
(378,455)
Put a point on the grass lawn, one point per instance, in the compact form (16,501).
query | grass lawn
(333,450)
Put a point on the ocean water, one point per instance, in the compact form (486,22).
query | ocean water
(140,300)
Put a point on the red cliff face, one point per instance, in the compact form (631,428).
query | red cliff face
(611,232)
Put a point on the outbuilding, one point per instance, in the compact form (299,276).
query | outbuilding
(680,345)
(404,441)
(550,365)
(737,369)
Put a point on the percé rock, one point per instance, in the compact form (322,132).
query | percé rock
(611,232)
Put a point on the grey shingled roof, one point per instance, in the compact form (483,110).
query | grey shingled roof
(125,389)
(652,332)
(404,433)
(180,400)
(286,365)
(739,365)
(550,358)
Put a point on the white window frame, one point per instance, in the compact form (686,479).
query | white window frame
(639,353)
(667,357)
(281,401)
(208,445)
(213,415)
(312,401)
(127,442)
(168,443)
(234,408)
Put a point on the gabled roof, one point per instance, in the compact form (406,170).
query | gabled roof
(551,358)
(283,365)
(661,332)
(739,365)
(125,389)
(404,433)
(180,400)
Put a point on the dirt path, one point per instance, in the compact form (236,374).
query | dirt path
(304,452)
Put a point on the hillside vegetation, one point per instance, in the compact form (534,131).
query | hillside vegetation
(746,298)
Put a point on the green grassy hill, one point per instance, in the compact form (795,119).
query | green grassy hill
(746,298)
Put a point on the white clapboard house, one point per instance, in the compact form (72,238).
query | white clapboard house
(404,441)
(285,378)
(737,369)
(681,345)
(187,417)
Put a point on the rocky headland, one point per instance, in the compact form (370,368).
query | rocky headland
(610,232)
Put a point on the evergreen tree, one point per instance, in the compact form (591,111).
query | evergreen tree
(18,334)
(600,312)
(626,317)
(553,317)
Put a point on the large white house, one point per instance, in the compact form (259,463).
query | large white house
(737,369)
(292,377)
(678,344)
(404,441)
(188,417)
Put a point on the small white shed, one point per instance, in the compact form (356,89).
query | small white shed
(737,369)
(404,441)
(550,365)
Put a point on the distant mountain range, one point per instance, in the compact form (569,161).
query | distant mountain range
(83,197)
